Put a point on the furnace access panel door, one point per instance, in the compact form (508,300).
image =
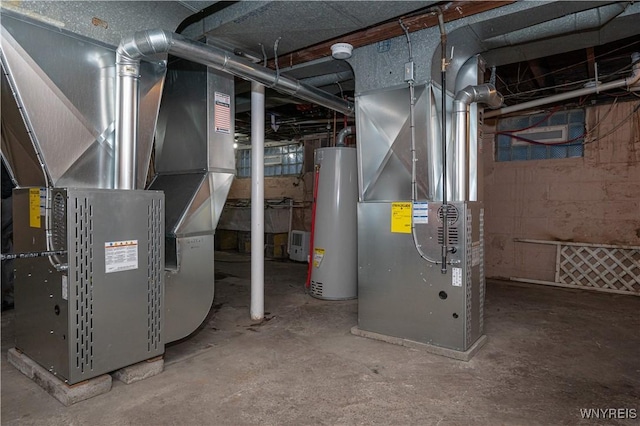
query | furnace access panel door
(99,307)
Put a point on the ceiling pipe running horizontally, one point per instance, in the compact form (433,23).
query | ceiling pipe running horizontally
(144,44)
(628,82)
(327,79)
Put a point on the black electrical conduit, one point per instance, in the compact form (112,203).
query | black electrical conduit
(29,255)
(443,78)
(414,190)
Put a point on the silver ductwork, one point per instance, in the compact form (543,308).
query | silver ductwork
(67,106)
(195,166)
(152,42)
(483,94)
(191,220)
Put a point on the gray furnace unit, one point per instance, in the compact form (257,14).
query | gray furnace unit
(403,296)
(99,307)
(135,267)
(409,292)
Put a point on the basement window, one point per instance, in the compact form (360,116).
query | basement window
(283,160)
(558,134)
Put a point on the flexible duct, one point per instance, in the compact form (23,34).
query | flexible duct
(147,43)
(486,94)
(628,82)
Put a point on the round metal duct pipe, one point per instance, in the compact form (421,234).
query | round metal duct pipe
(151,42)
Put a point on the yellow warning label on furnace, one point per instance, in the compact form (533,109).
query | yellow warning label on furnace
(34,208)
(401,218)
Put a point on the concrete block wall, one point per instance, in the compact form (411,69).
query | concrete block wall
(594,199)
(298,188)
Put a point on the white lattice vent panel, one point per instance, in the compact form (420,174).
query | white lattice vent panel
(603,267)
(600,267)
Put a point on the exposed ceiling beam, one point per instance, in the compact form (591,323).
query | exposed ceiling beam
(539,72)
(456,10)
(201,13)
(591,63)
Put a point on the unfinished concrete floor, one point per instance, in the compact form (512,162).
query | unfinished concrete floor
(550,353)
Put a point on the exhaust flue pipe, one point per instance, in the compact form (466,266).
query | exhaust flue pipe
(343,134)
(486,94)
(147,43)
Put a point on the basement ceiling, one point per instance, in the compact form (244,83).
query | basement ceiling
(266,30)
(550,75)
(299,33)
(249,25)
(286,31)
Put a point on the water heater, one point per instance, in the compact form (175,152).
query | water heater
(334,255)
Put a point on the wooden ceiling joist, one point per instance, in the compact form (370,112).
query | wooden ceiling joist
(456,10)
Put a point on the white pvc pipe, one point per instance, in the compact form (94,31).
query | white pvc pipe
(625,82)
(257,201)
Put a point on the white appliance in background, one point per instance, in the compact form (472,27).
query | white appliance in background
(300,241)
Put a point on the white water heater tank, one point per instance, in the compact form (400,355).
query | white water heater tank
(334,257)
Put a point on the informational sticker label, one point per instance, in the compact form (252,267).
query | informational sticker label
(43,201)
(420,212)
(65,287)
(222,113)
(120,256)
(193,243)
(456,277)
(318,255)
(475,253)
(401,218)
(35,220)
